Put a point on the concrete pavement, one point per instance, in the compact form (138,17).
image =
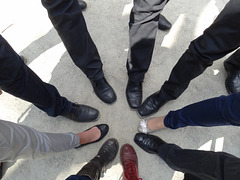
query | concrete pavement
(26,27)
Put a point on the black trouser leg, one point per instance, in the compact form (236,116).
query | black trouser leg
(221,38)
(68,20)
(233,62)
(206,165)
(18,79)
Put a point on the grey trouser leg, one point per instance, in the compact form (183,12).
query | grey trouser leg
(142,33)
(19,141)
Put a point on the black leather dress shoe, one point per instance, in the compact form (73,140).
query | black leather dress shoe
(82,4)
(232,82)
(82,113)
(104,91)
(148,143)
(163,23)
(104,128)
(134,94)
(151,105)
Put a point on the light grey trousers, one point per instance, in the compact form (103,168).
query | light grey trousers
(19,141)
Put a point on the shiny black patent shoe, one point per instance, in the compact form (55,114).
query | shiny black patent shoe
(148,143)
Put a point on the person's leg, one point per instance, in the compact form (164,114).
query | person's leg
(18,79)
(217,111)
(67,18)
(202,164)
(233,62)
(142,33)
(221,38)
(93,169)
(19,141)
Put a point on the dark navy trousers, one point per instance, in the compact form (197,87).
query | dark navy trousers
(219,111)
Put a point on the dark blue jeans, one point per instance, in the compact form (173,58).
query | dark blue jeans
(223,110)
(221,38)
(204,165)
(18,79)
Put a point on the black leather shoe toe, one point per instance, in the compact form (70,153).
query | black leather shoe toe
(163,23)
(151,105)
(82,113)
(104,91)
(134,94)
(148,143)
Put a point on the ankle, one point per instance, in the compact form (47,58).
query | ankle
(156,123)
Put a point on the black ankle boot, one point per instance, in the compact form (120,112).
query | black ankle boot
(97,165)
